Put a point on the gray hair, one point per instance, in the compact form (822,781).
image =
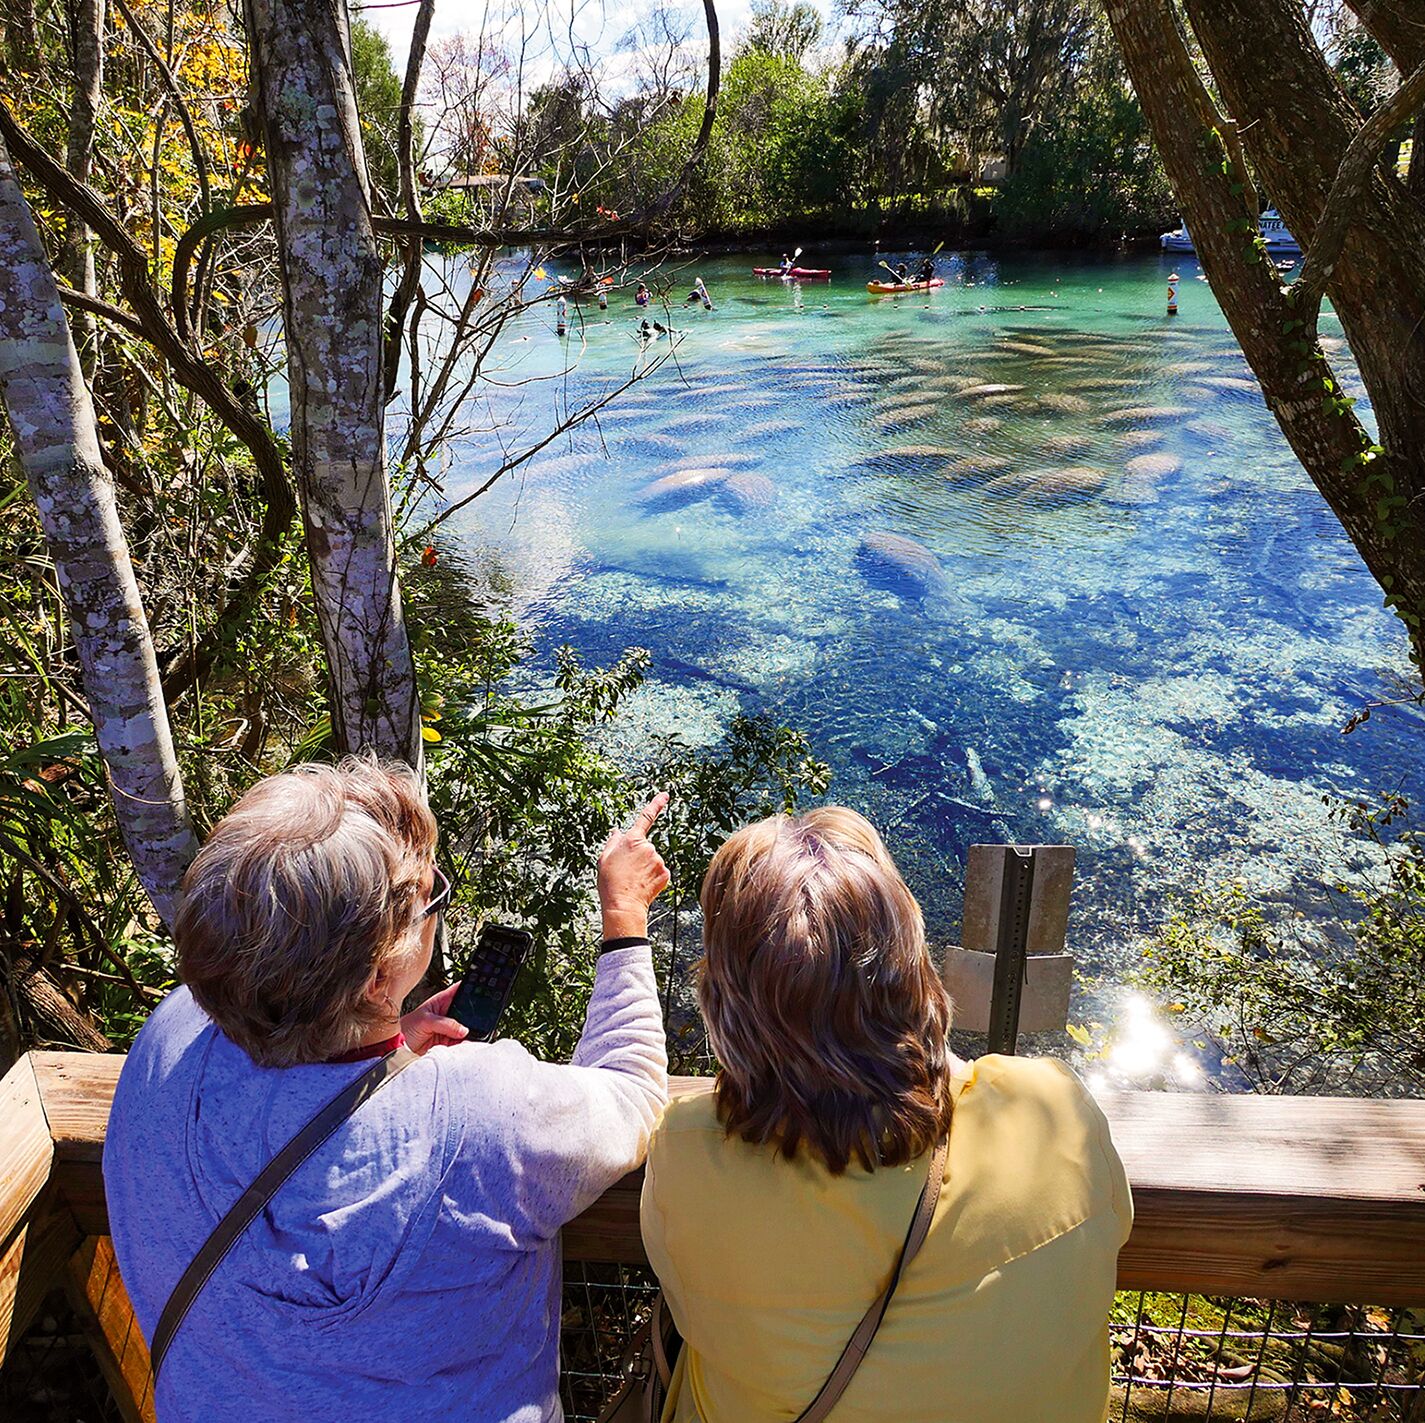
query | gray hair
(307,888)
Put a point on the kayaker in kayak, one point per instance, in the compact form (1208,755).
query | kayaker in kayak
(642,296)
(927,270)
(786,264)
(902,272)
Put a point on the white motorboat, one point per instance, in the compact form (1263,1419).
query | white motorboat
(1280,242)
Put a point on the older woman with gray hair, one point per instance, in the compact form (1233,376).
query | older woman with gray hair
(409,1264)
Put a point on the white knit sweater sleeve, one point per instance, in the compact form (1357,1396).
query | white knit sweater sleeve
(546,1140)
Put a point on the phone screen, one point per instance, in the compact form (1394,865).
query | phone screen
(484,992)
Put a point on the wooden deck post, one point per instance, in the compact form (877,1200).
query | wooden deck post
(99,1298)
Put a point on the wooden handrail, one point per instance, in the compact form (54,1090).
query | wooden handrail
(1299,1198)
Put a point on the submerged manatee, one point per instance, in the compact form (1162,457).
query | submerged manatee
(683,487)
(745,493)
(900,565)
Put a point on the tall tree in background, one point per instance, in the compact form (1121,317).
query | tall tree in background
(1284,119)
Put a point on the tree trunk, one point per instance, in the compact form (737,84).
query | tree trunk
(77,262)
(52,417)
(1296,127)
(1398,26)
(332,282)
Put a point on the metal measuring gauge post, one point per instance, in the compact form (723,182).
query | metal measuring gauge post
(1011,957)
(1010,974)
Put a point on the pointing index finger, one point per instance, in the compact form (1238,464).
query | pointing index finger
(642,823)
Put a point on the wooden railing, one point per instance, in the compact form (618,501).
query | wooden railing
(1306,1198)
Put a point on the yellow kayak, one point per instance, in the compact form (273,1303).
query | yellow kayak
(890,288)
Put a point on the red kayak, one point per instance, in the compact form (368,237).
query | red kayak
(797,274)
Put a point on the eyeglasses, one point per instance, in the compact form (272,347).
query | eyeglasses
(440,897)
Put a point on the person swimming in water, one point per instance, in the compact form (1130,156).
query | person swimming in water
(699,293)
(642,296)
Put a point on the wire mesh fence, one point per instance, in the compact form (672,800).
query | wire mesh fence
(1174,1357)
(52,1376)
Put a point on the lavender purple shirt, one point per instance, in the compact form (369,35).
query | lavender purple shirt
(411,1267)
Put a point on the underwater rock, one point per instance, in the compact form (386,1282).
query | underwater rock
(745,493)
(900,565)
(683,487)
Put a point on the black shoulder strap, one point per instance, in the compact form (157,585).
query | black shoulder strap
(269,1181)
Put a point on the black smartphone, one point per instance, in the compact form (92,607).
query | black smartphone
(485,990)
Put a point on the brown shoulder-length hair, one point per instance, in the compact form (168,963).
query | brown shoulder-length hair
(820,998)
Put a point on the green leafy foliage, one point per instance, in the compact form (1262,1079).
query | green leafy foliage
(1314,1005)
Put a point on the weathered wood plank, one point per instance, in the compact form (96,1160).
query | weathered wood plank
(31,1261)
(102,1303)
(1304,1198)
(26,1150)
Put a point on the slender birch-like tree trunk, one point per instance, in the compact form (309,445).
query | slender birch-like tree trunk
(52,417)
(332,279)
(1364,239)
(77,263)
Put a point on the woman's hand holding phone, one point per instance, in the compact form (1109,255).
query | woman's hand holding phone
(428,1026)
(631,874)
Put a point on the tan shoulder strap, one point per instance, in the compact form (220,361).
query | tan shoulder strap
(860,1341)
(249,1205)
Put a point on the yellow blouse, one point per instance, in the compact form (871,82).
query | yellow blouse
(768,1264)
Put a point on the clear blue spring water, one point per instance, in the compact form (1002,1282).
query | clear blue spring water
(1128,621)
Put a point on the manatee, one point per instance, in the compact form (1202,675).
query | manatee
(1062,481)
(745,493)
(900,565)
(721,460)
(973,469)
(916,452)
(908,414)
(982,425)
(693,424)
(1137,439)
(979,392)
(1153,466)
(1145,415)
(1027,348)
(764,428)
(559,464)
(653,444)
(1061,402)
(683,487)
(1231,383)
(1067,444)
(1210,429)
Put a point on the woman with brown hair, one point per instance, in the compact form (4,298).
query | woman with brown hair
(775,1207)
